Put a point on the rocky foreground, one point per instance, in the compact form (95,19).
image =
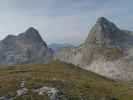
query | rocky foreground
(58,81)
(52,93)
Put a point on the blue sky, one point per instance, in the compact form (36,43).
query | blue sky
(62,21)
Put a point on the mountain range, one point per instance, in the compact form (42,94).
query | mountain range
(57,46)
(107,51)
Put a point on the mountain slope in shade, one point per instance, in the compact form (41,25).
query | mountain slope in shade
(106,51)
(27,47)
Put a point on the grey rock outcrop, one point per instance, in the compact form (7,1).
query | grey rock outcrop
(22,89)
(6,98)
(22,92)
(106,51)
(53,93)
(27,47)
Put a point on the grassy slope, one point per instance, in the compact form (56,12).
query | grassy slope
(75,82)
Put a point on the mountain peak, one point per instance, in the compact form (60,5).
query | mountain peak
(104,32)
(31,30)
(33,34)
(27,47)
(104,23)
(101,20)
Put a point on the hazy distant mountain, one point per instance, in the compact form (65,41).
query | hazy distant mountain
(27,47)
(107,51)
(57,46)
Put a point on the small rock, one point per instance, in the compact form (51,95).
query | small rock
(22,84)
(22,92)
(114,98)
(5,98)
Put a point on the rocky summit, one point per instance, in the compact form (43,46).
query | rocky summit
(106,51)
(27,47)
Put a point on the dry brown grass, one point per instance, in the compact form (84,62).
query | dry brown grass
(73,81)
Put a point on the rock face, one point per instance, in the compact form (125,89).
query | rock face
(27,47)
(106,51)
